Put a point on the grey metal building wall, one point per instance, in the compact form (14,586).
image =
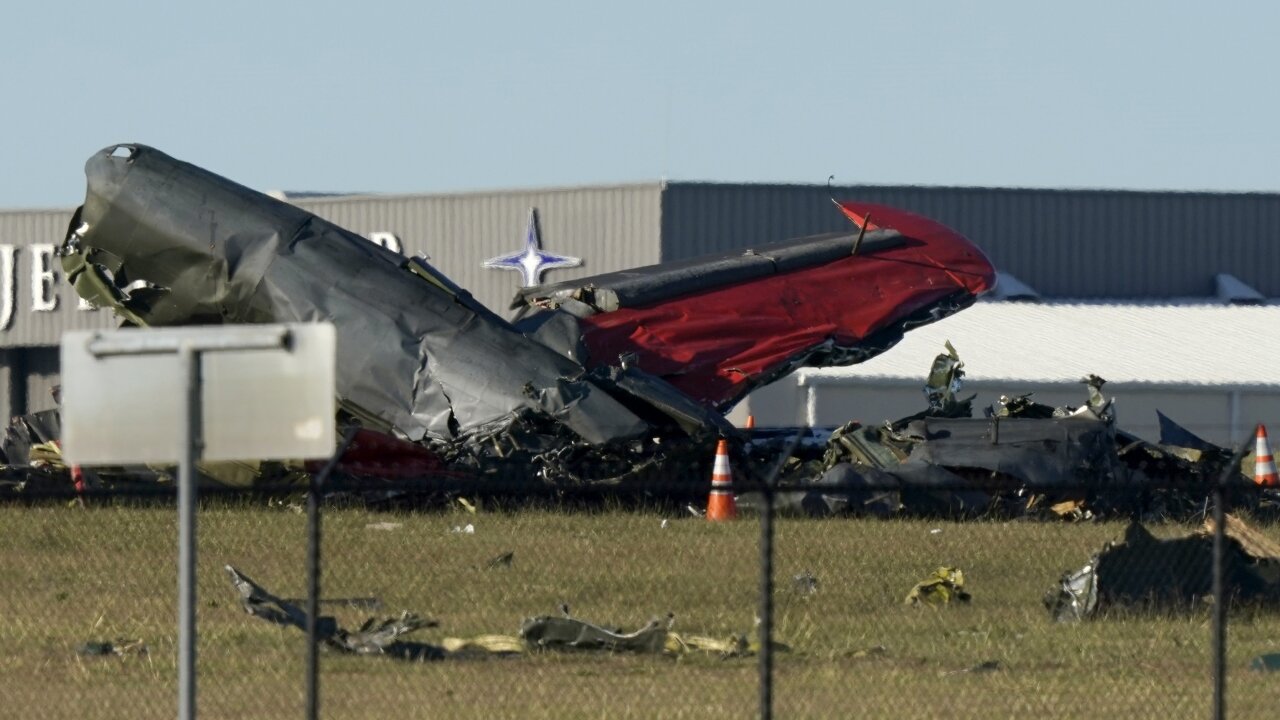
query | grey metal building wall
(608,227)
(1064,243)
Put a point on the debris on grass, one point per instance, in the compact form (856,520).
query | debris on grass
(943,586)
(502,561)
(1145,572)
(1266,663)
(384,526)
(982,667)
(115,648)
(566,632)
(805,583)
(374,637)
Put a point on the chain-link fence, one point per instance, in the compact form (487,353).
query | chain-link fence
(444,601)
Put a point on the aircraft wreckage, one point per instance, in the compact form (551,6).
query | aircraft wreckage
(618,378)
(603,379)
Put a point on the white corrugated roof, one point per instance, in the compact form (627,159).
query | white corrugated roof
(1197,344)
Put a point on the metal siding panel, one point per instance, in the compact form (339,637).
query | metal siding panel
(609,228)
(42,375)
(1065,243)
(7,406)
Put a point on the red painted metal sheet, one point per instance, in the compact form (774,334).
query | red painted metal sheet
(712,345)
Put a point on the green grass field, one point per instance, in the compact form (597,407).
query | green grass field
(71,575)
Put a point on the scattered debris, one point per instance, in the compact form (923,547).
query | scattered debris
(1269,662)
(384,526)
(940,588)
(805,583)
(467,529)
(502,561)
(1144,572)
(118,648)
(1021,458)
(982,667)
(564,632)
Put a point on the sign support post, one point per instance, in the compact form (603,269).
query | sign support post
(190,348)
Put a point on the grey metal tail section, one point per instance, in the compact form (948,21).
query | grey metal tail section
(165,242)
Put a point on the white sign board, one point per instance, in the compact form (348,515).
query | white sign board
(124,393)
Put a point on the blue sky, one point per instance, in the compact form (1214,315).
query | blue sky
(425,96)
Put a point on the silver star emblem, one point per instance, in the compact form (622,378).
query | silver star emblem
(531,262)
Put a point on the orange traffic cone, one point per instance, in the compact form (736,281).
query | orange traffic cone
(1264,463)
(751,422)
(720,504)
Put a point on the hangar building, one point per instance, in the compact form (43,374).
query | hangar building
(1068,250)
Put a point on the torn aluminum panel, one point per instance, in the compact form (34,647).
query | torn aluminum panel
(374,637)
(719,327)
(1037,453)
(1148,573)
(569,633)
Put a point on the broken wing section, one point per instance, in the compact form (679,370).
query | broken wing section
(719,327)
(167,243)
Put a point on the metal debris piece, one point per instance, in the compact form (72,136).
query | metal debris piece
(374,637)
(943,586)
(568,633)
(805,583)
(1076,596)
(501,561)
(1269,662)
(117,648)
(982,667)
(1145,572)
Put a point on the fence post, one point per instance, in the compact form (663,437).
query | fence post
(314,487)
(766,603)
(1220,499)
(1219,604)
(767,487)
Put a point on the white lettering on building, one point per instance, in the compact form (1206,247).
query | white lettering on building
(8,288)
(45,278)
(44,289)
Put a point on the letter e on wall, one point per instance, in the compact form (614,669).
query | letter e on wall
(44,283)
